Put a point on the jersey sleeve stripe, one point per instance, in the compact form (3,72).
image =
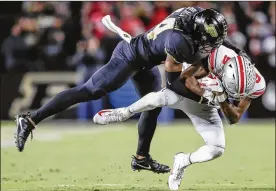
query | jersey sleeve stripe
(241,71)
(212,59)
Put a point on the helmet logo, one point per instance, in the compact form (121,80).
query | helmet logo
(211,30)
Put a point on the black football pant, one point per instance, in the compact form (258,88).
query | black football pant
(110,77)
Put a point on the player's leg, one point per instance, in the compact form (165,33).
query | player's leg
(213,135)
(146,82)
(109,78)
(164,97)
(208,124)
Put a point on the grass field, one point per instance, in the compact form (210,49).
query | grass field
(79,158)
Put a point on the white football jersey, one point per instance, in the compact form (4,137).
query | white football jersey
(219,57)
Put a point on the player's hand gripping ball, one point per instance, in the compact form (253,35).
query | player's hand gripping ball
(211,83)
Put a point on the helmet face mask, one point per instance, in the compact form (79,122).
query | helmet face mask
(238,77)
(210,29)
(207,48)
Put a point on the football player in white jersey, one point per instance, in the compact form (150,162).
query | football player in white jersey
(231,77)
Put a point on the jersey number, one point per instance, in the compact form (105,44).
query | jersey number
(225,59)
(258,78)
(161,27)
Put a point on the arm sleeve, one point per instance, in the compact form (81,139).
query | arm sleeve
(171,76)
(179,87)
(179,47)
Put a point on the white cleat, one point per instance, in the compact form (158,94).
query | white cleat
(181,161)
(107,116)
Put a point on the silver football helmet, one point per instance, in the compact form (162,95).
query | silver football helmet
(238,77)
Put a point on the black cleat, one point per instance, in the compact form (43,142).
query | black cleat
(148,164)
(24,129)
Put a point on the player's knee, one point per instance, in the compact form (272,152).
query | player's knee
(160,99)
(98,93)
(170,97)
(156,99)
(217,151)
(92,92)
(97,90)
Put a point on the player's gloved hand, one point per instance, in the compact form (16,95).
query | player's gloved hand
(212,86)
(212,99)
(214,103)
(211,83)
(217,99)
(209,95)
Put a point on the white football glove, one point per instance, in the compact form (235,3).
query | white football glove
(211,97)
(211,83)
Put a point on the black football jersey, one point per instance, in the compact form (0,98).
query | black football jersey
(153,46)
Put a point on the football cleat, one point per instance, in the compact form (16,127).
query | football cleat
(181,161)
(24,129)
(148,163)
(107,116)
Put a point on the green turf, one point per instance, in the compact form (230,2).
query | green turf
(90,159)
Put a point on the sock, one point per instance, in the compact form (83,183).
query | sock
(206,153)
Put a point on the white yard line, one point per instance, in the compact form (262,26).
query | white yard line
(158,185)
(54,134)
(10,142)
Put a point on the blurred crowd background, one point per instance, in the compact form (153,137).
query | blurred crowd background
(48,36)
(68,36)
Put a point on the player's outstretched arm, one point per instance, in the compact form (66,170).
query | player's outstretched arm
(234,113)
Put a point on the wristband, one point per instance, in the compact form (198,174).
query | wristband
(221,98)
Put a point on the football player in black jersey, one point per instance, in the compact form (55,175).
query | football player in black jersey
(188,34)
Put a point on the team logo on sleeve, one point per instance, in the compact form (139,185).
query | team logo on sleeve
(211,30)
